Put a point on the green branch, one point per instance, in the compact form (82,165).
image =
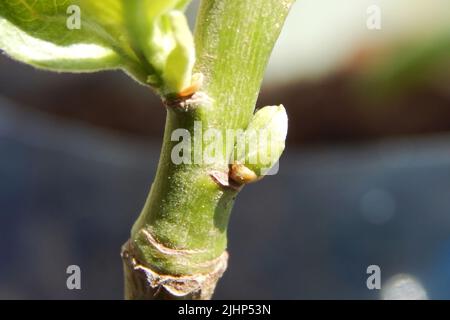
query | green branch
(182,230)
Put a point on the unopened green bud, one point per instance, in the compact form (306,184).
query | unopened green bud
(158,29)
(264,143)
(180,62)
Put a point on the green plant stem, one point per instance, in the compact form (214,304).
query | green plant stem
(177,246)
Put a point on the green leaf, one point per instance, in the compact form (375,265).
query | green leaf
(137,36)
(160,32)
(180,62)
(47,55)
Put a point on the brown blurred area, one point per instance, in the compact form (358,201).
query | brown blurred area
(329,110)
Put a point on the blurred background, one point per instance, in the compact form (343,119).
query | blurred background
(365,179)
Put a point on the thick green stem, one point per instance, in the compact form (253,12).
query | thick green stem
(182,231)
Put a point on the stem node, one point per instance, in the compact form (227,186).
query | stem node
(189,103)
(143,283)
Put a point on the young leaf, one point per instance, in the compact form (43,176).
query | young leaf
(180,62)
(159,31)
(44,54)
(111,34)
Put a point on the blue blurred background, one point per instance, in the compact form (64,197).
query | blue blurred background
(365,179)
